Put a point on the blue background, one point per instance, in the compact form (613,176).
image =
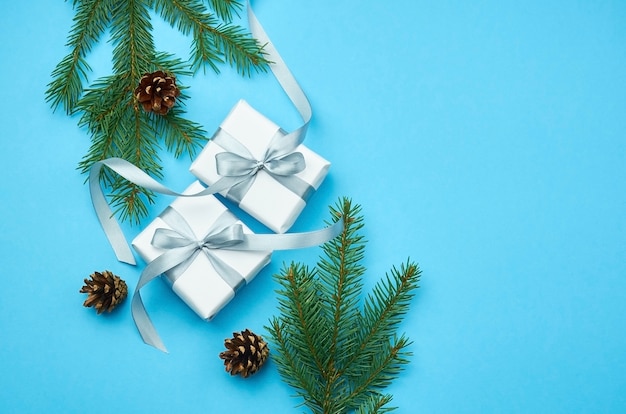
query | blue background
(484,140)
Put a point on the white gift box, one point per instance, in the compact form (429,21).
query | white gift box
(200,286)
(266,200)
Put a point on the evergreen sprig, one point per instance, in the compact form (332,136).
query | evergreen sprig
(108,109)
(337,349)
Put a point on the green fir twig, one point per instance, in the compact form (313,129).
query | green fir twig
(338,350)
(108,109)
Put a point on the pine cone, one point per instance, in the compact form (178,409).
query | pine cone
(246,352)
(157,92)
(105,291)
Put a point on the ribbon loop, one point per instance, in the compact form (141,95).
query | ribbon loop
(169,239)
(225,238)
(283,144)
(229,164)
(289,164)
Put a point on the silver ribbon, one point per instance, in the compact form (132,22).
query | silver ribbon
(182,247)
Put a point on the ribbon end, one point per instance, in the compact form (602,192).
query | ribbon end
(144,324)
(154,341)
(128,260)
(161,348)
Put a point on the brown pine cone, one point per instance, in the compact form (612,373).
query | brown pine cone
(245,353)
(157,92)
(105,291)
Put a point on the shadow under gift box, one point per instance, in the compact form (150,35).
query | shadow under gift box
(200,286)
(267,200)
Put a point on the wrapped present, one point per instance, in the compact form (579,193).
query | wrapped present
(269,173)
(209,274)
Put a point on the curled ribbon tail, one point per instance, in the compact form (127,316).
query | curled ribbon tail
(109,225)
(142,321)
(179,258)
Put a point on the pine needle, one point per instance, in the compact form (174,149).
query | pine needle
(337,350)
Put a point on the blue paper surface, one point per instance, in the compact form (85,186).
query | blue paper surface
(484,140)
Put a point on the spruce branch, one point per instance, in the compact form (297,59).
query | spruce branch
(336,350)
(225,9)
(301,287)
(341,271)
(116,123)
(179,134)
(300,376)
(214,42)
(238,48)
(132,39)
(375,404)
(90,22)
(382,312)
(384,366)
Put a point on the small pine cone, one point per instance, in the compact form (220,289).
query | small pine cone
(157,92)
(245,353)
(105,291)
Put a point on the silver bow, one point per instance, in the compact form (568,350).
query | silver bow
(239,168)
